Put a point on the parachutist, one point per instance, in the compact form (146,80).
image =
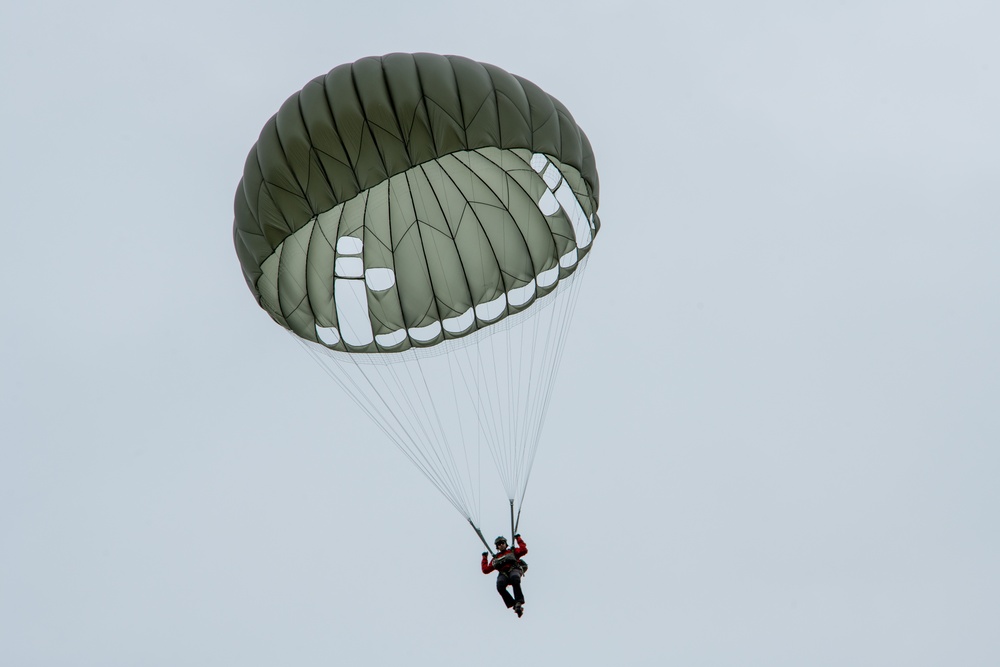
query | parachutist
(510,568)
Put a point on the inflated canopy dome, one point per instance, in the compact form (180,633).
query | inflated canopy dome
(404,200)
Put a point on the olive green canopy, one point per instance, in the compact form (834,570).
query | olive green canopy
(422,223)
(403,200)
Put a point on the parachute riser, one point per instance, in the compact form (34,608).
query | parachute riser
(514,523)
(513,526)
(480,534)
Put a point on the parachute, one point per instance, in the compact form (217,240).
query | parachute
(421,224)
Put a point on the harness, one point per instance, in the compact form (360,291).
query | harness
(504,562)
(508,562)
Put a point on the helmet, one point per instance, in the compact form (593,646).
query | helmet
(499,540)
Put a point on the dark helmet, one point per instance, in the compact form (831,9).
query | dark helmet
(500,539)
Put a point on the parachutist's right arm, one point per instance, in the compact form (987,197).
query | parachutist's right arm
(487,565)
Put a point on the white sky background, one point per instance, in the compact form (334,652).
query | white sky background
(775,434)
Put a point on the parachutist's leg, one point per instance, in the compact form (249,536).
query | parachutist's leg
(502,583)
(515,583)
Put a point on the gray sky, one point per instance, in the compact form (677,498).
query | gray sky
(774,438)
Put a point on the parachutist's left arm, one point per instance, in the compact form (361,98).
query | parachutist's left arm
(521,549)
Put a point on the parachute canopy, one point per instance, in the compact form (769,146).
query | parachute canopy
(405,200)
(420,223)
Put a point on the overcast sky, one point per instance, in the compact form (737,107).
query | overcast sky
(774,439)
